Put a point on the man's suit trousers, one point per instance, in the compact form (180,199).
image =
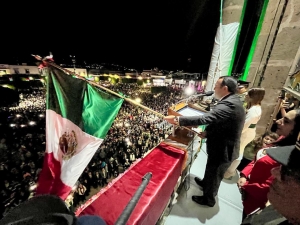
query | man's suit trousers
(213,176)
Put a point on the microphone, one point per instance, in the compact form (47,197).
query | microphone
(209,93)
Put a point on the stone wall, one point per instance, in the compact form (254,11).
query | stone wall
(232,11)
(281,58)
(285,48)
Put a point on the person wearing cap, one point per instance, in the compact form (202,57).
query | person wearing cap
(224,126)
(47,209)
(243,91)
(284,190)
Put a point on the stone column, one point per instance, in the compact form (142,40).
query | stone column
(232,11)
(281,58)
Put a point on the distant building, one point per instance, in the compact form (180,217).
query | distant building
(94,72)
(18,69)
(186,76)
(131,74)
(116,72)
(154,72)
(102,72)
(79,71)
(148,73)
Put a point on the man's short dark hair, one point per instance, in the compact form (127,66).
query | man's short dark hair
(230,82)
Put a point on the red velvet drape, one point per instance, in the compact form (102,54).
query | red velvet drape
(165,164)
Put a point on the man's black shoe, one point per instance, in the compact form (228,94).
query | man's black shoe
(199,182)
(201,200)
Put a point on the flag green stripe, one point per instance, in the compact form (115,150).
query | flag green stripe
(92,110)
(106,107)
(65,95)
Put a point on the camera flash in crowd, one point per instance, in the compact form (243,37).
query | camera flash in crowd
(33,187)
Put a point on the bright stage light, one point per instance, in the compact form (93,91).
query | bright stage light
(32,187)
(31,123)
(189,91)
(138,100)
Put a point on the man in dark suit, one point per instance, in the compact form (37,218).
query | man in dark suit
(224,126)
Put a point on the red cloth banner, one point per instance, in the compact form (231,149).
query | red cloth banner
(165,163)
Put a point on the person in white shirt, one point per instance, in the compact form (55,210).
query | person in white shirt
(81,189)
(253,114)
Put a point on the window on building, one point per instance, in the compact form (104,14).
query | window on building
(16,70)
(27,71)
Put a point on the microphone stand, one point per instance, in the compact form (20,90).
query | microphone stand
(122,220)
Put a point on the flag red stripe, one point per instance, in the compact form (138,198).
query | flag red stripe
(49,178)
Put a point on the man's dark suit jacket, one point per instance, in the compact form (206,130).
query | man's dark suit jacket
(224,127)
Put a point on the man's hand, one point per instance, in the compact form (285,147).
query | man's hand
(241,182)
(170,119)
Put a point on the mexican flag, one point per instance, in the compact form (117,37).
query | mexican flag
(78,117)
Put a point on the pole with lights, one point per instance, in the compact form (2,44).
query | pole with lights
(74,62)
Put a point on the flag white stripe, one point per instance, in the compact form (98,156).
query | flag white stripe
(87,145)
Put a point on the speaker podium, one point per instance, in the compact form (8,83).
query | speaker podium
(182,135)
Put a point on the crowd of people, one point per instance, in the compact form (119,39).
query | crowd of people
(136,131)
(22,146)
(132,135)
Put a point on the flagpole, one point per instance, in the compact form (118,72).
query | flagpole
(104,88)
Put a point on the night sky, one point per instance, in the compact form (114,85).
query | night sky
(135,34)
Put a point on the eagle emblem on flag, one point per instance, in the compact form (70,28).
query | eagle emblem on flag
(68,144)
